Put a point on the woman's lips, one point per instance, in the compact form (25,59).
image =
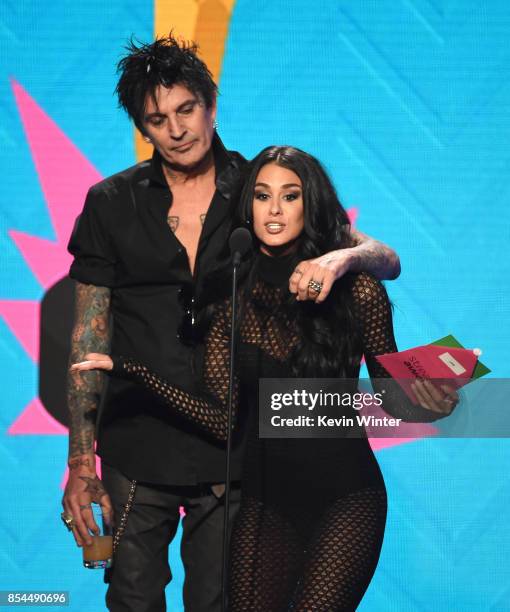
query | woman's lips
(274,228)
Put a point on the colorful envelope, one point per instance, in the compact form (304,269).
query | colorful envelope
(445,359)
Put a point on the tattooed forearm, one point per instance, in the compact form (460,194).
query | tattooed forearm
(372,256)
(74,464)
(94,487)
(90,335)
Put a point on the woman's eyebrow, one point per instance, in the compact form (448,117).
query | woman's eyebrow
(286,186)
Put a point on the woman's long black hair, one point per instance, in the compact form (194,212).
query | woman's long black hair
(328,335)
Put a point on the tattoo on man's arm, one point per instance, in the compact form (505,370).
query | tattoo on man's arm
(74,464)
(374,256)
(94,487)
(90,335)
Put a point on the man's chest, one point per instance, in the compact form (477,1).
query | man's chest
(153,239)
(186,217)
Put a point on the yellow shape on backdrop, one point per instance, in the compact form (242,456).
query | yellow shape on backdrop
(204,21)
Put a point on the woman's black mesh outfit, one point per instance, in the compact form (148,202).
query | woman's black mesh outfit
(311,524)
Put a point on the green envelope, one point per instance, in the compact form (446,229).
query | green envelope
(451,341)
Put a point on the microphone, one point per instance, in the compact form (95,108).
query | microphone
(239,243)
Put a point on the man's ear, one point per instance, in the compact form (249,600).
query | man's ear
(213,109)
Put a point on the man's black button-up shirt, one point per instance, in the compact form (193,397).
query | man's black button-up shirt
(122,241)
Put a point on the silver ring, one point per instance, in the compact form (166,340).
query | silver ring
(315,286)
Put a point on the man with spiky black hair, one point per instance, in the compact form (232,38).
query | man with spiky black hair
(144,243)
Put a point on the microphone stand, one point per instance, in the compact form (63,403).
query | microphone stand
(236,261)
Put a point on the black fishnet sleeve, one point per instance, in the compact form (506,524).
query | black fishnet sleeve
(205,402)
(373,311)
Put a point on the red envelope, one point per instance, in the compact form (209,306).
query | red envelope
(430,361)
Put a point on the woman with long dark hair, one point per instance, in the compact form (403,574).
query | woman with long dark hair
(313,511)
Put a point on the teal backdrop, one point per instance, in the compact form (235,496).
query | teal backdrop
(407,104)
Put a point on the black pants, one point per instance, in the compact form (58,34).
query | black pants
(141,571)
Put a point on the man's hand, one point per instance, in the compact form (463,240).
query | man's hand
(366,255)
(324,270)
(84,487)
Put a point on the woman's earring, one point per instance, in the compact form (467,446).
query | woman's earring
(215,124)
(147,139)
